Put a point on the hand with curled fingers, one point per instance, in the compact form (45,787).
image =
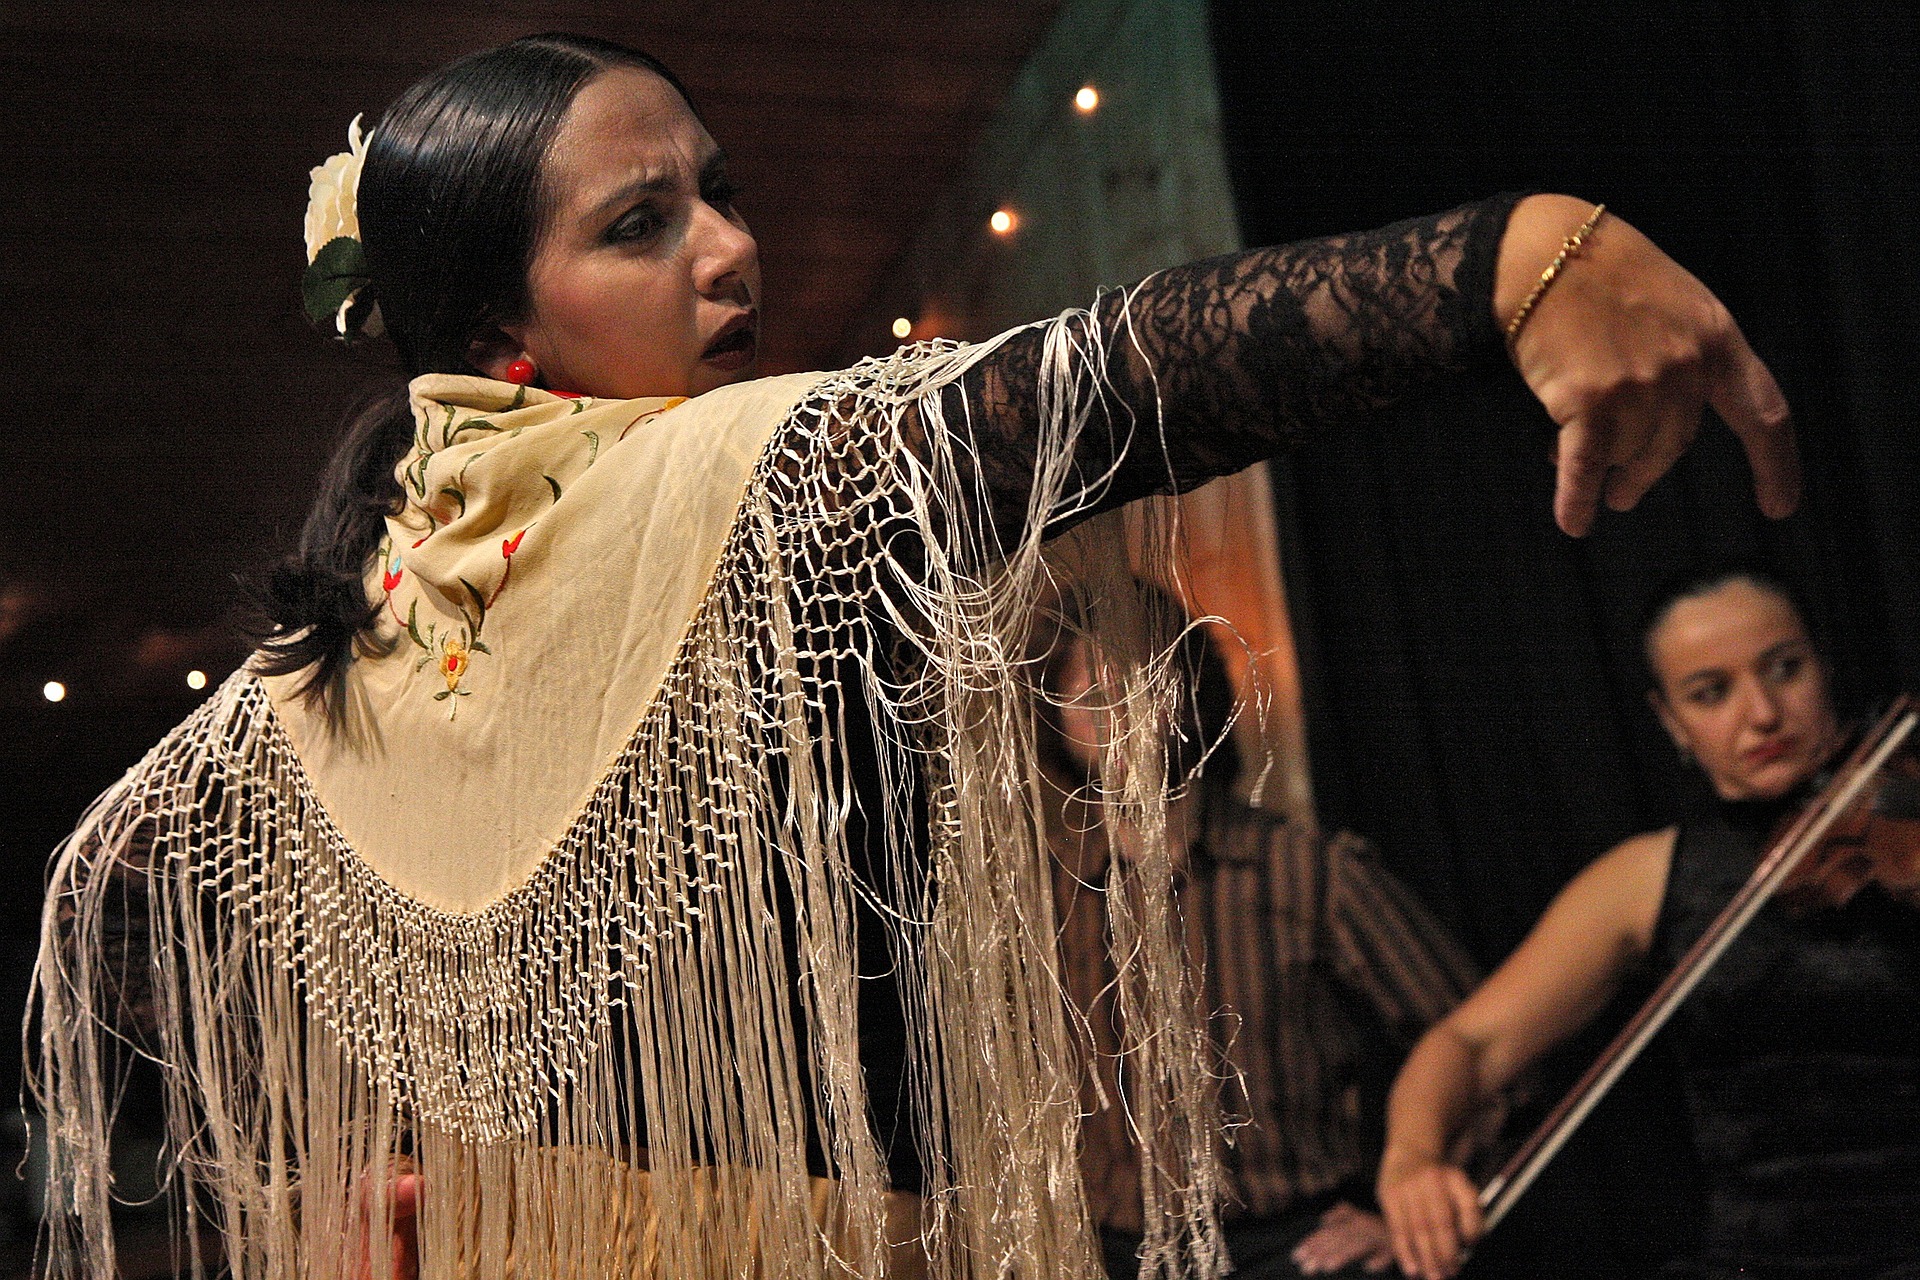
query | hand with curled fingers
(1626,350)
(1433,1214)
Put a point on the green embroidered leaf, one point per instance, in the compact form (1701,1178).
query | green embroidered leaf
(477,647)
(480,425)
(480,602)
(336,272)
(450,492)
(552,484)
(579,406)
(593,438)
(519,398)
(443,695)
(413,624)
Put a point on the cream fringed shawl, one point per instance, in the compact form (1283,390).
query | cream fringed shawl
(564,911)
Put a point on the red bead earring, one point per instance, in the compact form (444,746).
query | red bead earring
(520,372)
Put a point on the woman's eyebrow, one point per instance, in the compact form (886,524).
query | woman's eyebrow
(628,192)
(656,182)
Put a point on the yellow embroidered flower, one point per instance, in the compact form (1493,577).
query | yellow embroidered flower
(453,661)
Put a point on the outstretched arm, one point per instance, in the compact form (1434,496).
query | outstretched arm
(1219,363)
(1550,987)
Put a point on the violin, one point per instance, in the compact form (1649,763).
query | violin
(1862,828)
(1876,841)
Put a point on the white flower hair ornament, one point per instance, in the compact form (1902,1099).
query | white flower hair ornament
(336,277)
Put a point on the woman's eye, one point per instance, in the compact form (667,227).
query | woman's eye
(1787,667)
(1706,695)
(635,224)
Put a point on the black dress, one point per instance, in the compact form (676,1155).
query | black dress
(1800,1053)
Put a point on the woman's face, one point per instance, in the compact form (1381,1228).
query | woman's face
(1742,690)
(1077,708)
(645,281)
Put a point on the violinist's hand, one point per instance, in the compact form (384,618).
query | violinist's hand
(1346,1235)
(1432,1212)
(1625,350)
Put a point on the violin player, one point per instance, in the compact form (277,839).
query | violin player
(1799,1049)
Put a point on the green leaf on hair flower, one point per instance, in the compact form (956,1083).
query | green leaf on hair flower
(334,275)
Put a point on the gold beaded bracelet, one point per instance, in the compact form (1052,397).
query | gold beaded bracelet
(1569,248)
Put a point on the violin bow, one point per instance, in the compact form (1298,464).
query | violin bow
(1786,853)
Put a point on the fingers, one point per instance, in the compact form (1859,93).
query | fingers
(1345,1235)
(1582,469)
(1674,416)
(1467,1219)
(1743,392)
(1623,445)
(1433,1216)
(1626,353)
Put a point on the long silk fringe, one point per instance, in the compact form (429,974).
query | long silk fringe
(599,1075)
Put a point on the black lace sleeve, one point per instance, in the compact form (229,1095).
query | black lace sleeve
(125,933)
(1244,352)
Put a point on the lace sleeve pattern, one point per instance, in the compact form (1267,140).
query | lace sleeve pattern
(1243,353)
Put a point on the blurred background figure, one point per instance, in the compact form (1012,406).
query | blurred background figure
(1798,1051)
(1321,968)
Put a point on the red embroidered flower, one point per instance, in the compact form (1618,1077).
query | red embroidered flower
(511,545)
(391,579)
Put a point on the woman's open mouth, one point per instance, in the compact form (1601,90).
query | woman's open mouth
(735,345)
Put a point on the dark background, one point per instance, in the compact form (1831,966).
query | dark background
(1475,702)
(1474,705)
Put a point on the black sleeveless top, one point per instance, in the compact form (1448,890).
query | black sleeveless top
(1800,1053)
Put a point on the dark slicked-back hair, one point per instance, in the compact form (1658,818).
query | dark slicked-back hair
(1704,580)
(451,208)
